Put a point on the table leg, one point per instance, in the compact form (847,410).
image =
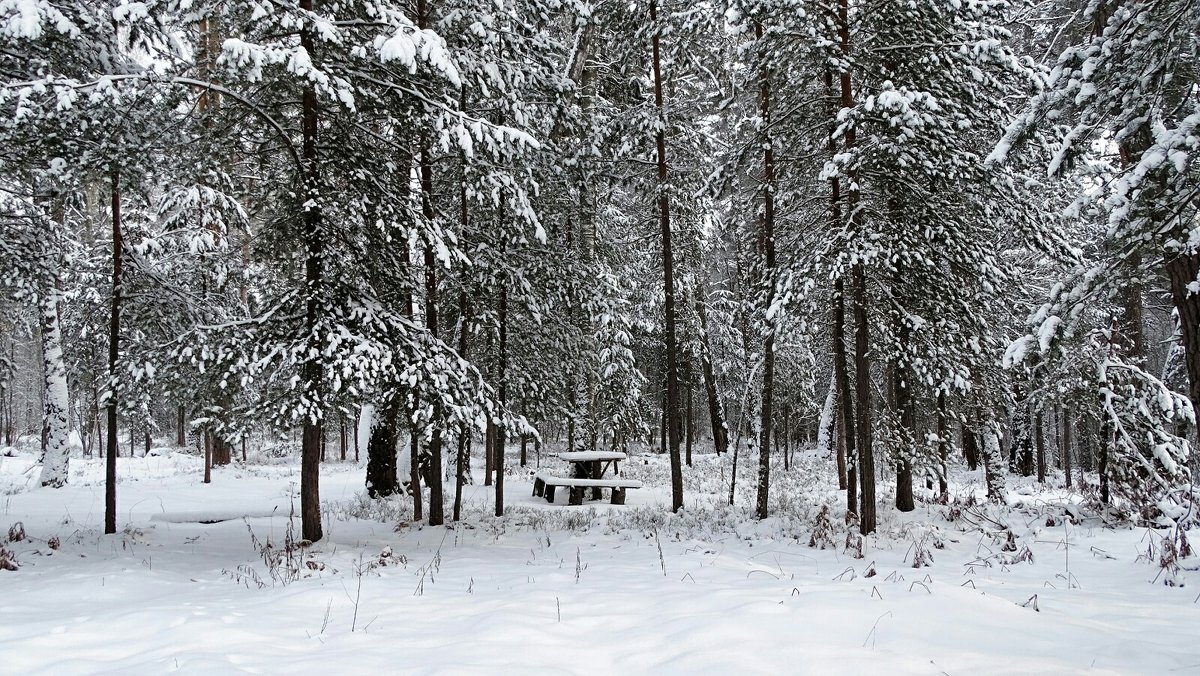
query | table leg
(596,471)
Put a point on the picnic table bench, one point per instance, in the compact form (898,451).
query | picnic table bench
(588,471)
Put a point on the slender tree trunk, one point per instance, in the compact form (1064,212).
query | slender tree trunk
(180,436)
(436,507)
(767,247)
(1065,416)
(690,424)
(314,244)
(664,219)
(501,433)
(414,472)
(842,374)
(943,433)
(716,414)
(462,463)
(114,332)
(56,453)
(904,474)
(208,456)
(342,437)
(1039,439)
(970,445)
(862,391)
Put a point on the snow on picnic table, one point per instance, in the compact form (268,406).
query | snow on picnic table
(522,595)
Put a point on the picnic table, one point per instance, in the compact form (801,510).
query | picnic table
(587,470)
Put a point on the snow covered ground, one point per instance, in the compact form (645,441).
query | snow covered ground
(555,589)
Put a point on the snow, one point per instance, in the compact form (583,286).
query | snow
(554,589)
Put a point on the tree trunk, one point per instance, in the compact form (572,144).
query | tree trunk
(114,332)
(1039,439)
(841,369)
(993,460)
(904,475)
(489,452)
(690,422)
(462,462)
(382,478)
(970,445)
(436,508)
(1183,269)
(664,220)
(716,414)
(57,449)
(314,244)
(943,447)
(501,433)
(208,456)
(180,430)
(862,392)
(414,471)
(767,248)
(1064,418)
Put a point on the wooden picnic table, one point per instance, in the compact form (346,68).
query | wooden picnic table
(588,471)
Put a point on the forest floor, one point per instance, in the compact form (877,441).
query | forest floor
(558,590)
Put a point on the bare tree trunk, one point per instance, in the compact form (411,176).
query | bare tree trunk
(1064,415)
(414,474)
(716,414)
(310,449)
(208,457)
(862,391)
(501,433)
(464,440)
(845,403)
(904,474)
(1182,269)
(943,444)
(664,220)
(114,333)
(436,506)
(970,445)
(56,446)
(767,247)
(690,427)
(1039,439)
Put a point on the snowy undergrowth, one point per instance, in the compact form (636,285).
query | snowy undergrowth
(963,587)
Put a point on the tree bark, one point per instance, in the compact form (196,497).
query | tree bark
(463,460)
(56,454)
(1064,416)
(842,375)
(314,244)
(862,392)
(1040,441)
(943,446)
(208,456)
(114,333)
(382,479)
(767,247)
(436,508)
(1182,269)
(501,433)
(716,414)
(664,220)
(904,475)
